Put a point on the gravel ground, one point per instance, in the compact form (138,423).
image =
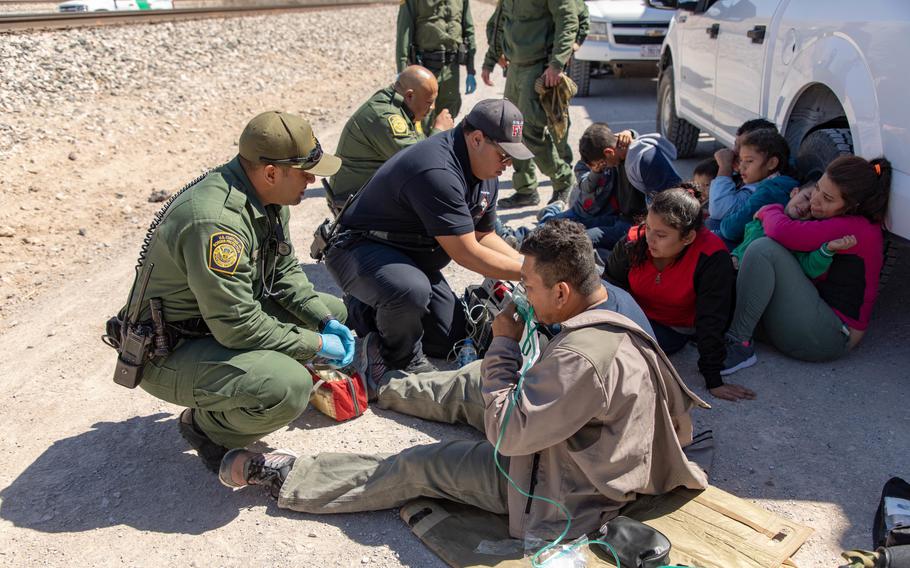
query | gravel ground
(92,122)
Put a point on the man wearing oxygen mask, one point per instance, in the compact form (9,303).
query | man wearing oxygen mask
(240,317)
(594,419)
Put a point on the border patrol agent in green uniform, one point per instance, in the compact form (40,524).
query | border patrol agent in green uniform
(584,25)
(536,38)
(241,316)
(388,122)
(438,34)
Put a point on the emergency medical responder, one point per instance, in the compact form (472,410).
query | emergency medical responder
(438,34)
(428,205)
(241,315)
(386,123)
(535,40)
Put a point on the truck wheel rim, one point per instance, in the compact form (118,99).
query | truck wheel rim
(665,113)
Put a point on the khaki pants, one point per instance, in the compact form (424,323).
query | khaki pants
(536,136)
(462,471)
(239,396)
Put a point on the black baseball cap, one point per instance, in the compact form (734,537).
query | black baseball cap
(501,121)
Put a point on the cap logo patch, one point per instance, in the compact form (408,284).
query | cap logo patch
(516,128)
(225,250)
(398,125)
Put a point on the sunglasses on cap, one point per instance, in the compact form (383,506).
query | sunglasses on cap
(305,163)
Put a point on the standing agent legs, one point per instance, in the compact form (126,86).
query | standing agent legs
(771,287)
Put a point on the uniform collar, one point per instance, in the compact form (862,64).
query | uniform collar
(246,186)
(398,101)
(461,152)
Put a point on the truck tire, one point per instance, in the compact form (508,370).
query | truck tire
(683,134)
(580,72)
(820,147)
(890,258)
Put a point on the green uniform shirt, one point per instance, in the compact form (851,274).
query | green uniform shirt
(211,255)
(532,31)
(584,21)
(433,26)
(377,131)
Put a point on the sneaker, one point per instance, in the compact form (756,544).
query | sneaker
(210,452)
(740,354)
(240,467)
(420,364)
(560,195)
(518,200)
(370,364)
(552,208)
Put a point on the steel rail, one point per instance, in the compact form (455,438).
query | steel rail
(93,19)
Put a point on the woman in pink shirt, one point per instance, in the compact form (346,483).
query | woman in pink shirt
(820,319)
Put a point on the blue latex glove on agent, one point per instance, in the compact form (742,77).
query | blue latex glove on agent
(470,84)
(336,331)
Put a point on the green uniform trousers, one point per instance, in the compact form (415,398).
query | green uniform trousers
(462,471)
(239,396)
(536,136)
(449,79)
(772,288)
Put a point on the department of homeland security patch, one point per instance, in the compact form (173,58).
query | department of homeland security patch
(398,125)
(225,250)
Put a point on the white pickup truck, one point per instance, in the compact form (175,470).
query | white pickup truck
(113,5)
(832,75)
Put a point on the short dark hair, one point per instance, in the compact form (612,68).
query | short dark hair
(755,124)
(706,167)
(772,145)
(563,253)
(594,140)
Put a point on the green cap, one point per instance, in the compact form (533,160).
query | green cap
(282,138)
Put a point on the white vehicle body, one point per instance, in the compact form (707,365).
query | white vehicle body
(114,5)
(823,72)
(622,33)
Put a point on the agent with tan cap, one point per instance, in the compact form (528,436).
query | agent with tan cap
(241,316)
(430,204)
(388,122)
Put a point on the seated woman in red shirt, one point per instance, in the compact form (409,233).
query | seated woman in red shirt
(682,277)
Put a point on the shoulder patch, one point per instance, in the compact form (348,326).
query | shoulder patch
(398,125)
(225,250)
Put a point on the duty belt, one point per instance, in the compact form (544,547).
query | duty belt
(443,57)
(407,241)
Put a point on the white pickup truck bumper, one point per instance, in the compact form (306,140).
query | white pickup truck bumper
(613,42)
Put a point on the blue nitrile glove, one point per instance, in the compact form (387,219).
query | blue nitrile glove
(332,350)
(337,329)
(470,84)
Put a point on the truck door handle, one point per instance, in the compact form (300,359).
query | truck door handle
(756,34)
(714,29)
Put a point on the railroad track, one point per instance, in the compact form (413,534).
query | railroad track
(16,22)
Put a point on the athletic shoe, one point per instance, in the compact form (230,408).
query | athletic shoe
(518,200)
(241,467)
(553,208)
(210,452)
(420,364)
(740,354)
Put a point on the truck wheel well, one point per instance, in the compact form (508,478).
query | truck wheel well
(816,108)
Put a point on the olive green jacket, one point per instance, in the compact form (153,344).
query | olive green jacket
(375,132)
(211,255)
(434,25)
(532,31)
(584,21)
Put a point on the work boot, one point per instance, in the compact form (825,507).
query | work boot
(210,452)
(240,467)
(740,354)
(560,195)
(519,200)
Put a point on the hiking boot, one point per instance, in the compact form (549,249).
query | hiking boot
(560,195)
(519,200)
(420,364)
(241,467)
(210,452)
(740,354)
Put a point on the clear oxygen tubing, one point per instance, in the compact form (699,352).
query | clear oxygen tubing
(530,349)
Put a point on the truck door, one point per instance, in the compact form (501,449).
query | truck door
(744,40)
(695,83)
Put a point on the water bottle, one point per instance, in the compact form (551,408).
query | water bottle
(467,353)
